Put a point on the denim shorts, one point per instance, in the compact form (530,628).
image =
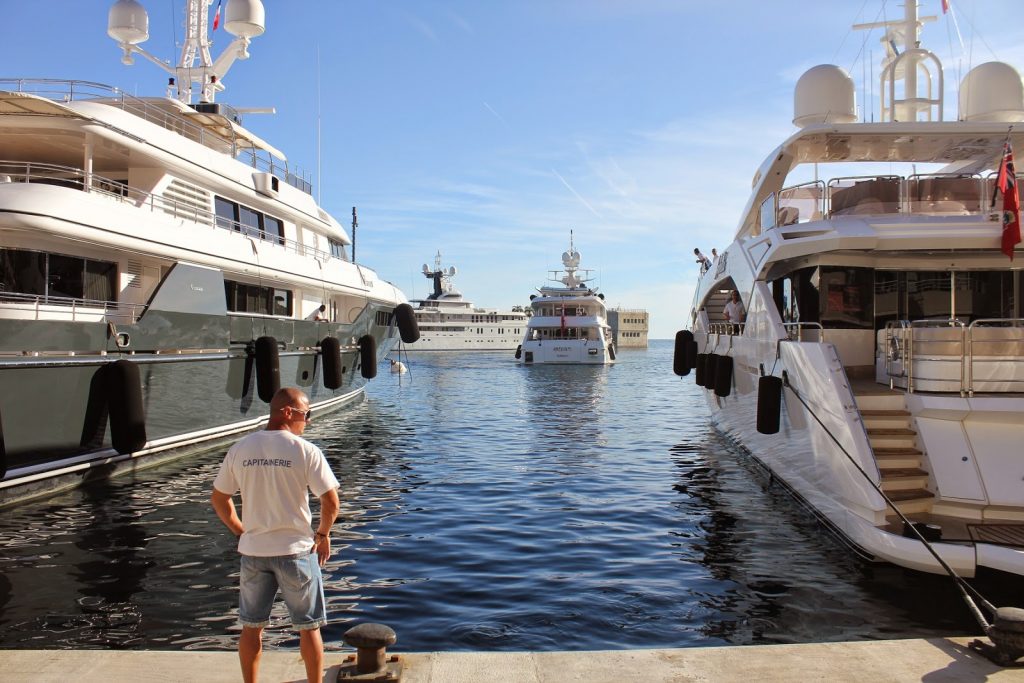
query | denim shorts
(301,584)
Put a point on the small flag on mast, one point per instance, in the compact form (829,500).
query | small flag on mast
(216,15)
(945,6)
(1006,182)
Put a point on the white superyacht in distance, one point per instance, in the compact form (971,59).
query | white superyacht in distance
(163,270)
(883,344)
(447,322)
(569,322)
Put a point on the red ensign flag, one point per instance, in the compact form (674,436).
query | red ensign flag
(1007,184)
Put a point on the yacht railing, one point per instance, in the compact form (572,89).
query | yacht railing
(929,194)
(952,356)
(68,91)
(998,342)
(47,307)
(731,329)
(796,331)
(78,179)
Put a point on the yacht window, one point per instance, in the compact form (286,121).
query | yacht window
(927,295)
(274,228)
(57,275)
(846,297)
(227,213)
(983,294)
(64,276)
(251,222)
(245,298)
(337,249)
(22,271)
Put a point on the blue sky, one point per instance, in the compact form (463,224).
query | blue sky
(488,129)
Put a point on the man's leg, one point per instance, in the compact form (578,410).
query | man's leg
(250,647)
(311,645)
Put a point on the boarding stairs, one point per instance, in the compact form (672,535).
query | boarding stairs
(714,305)
(897,450)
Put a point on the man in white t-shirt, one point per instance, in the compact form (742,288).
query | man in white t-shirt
(733,311)
(274,470)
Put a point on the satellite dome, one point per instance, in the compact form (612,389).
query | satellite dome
(992,91)
(127,22)
(824,94)
(244,18)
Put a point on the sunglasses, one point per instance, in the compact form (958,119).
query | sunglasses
(306,414)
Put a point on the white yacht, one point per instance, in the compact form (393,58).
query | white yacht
(163,270)
(569,322)
(448,322)
(883,344)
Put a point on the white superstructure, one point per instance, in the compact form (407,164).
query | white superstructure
(870,265)
(569,323)
(448,322)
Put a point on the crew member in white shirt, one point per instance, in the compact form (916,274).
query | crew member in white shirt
(274,470)
(733,311)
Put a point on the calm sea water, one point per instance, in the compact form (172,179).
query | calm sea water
(485,506)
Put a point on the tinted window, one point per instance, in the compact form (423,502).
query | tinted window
(252,221)
(227,213)
(22,271)
(274,228)
(64,276)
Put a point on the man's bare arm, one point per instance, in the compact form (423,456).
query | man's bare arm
(329,506)
(224,506)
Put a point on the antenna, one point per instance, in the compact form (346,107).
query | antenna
(355,224)
(128,24)
(319,179)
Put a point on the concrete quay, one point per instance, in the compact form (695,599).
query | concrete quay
(931,660)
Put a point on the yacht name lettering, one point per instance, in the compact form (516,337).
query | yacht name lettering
(195,288)
(266,462)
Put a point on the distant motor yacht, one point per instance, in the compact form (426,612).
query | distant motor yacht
(448,322)
(882,353)
(569,322)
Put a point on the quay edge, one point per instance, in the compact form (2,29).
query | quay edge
(932,659)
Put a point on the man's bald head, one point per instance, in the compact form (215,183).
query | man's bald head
(289,396)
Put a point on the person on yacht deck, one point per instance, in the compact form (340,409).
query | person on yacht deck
(733,310)
(319,314)
(704,261)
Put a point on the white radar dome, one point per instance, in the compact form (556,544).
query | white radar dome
(244,18)
(824,94)
(992,92)
(127,22)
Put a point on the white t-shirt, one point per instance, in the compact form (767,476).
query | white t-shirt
(734,311)
(273,470)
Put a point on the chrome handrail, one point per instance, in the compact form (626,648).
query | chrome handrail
(124,312)
(77,178)
(1012,323)
(922,324)
(799,327)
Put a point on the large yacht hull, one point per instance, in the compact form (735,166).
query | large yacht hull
(54,409)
